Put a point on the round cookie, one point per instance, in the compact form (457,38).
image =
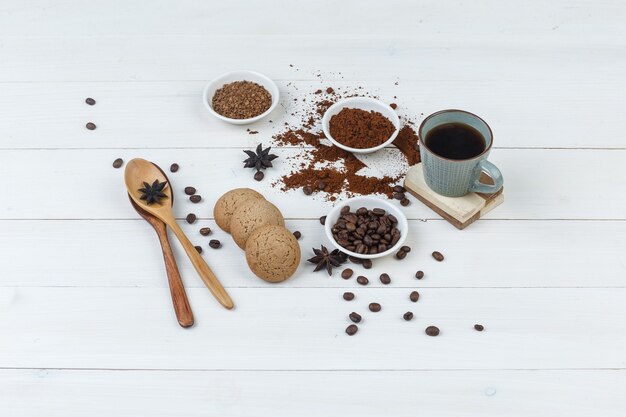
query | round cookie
(228,203)
(250,215)
(272,253)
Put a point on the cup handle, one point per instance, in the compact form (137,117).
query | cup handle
(493,172)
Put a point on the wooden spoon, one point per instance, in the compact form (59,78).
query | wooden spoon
(139,171)
(184,315)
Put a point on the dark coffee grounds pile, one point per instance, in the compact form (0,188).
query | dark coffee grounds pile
(328,168)
(241,100)
(360,129)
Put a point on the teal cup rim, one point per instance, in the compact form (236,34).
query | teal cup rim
(422,142)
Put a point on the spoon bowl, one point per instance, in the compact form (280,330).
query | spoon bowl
(139,171)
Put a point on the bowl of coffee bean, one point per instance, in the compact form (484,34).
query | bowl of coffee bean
(366,227)
(241,97)
(360,124)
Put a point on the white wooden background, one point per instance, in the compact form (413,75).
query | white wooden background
(86,325)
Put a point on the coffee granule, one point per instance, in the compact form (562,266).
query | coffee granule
(406,142)
(360,129)
(241,100)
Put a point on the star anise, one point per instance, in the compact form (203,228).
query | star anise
(153,193)
(260,159)
(325,259)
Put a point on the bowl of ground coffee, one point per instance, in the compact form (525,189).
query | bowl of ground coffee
(366,227)
(360,124)
(241,97)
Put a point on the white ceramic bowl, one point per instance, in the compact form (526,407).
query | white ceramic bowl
(370,203)
(255,77)
(363,103)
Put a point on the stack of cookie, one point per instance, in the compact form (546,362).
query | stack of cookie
(258,227)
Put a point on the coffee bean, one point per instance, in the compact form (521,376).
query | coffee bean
(414,296)
(367,263)
(355,317)
(348,296)
(259,176)
(479,327)
(347,273)
(118,163)
(345,210)
(297,234)
(352,329)
(399,189)
(174,167)
(215,244)
(307,190)
(374,307)
(378,211)
(407,249)
(90,126)
(205,231)
(438,256)
(191,218)
(321,185)
(401,254)
(361,211)
(90,101)
(362,280)
(198,248)
(195,198)
(385,279)
(432,331)
(419,274)
(190,190)
(398,196)
(355,260)
(323,220)
(405,202)
(408,316)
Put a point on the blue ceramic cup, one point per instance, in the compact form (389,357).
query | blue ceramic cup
(457,177)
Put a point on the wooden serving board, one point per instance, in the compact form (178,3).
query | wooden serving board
(458,211)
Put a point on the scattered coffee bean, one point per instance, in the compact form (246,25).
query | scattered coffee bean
(408,316)
(215,244)
(297,234)
(362,280)
(348,296)
(90,101)
(198,248)
(118,163)
(352,329)
(438,256)
(385,279)
(405,202)
(259,176)
(374,307)
(323,220)
(401,254)
(414,296)
(90,126)
(174,167)
(393,106)
(432,331)
(321,185)
(195,198)
(205,231)
(347,273)
(399,189)
(407,249)
(479,327)
(307,190)
(399,196)
(367,263)
(419,274)
(355,317)
(355,260)
(190,190)
(191,218)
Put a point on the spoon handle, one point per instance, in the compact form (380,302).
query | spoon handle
(209,278)
(184,315)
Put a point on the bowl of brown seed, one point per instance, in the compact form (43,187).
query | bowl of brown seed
(366,227)
(241,97)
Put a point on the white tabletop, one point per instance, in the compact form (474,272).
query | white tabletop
(86,323)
